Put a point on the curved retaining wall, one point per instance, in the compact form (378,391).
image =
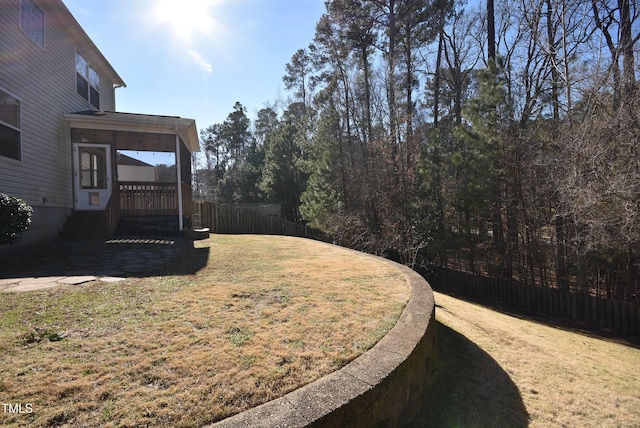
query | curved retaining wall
(383,387)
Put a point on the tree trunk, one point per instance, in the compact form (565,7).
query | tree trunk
(367,92)
(614,51)
(436,77)
(391,72)
(491,31)
(626,42)
(561,267)
(552,52)
(561,270)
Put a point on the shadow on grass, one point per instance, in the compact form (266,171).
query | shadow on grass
(471,389)
(130,256)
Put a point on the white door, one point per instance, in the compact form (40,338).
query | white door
(91,176)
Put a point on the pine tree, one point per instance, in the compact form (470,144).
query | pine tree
(321,199)
(283,180)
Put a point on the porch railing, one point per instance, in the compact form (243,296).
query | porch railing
(144,198)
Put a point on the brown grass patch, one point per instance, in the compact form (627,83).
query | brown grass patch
(264,317)
(539,376)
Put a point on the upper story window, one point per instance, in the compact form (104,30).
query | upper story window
(10,126)
(87,81)
(32,21)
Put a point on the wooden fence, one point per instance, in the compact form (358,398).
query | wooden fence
(617,315)
(226,219)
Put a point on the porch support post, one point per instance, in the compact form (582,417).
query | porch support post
(179,173)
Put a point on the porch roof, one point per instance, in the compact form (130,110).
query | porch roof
(128,125)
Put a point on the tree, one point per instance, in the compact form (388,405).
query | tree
(215,145)
(242,181)
(480,163)
(599,190)
(484,174)
(418,24)
(235,132)
(491,31)
(216,162)
(354,24)
(234,159)
(265,123)
(461,57)
(321,199)
(297,75)
(283,181)
(166,173)
(615,22)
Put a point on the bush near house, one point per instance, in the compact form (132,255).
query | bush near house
(15,218)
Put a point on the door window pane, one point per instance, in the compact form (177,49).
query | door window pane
(93,168)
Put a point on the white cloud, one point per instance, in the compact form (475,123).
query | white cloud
(201,61)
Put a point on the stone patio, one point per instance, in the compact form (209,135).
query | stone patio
(77,262)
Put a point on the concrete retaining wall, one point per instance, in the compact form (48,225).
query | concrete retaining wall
(384,387)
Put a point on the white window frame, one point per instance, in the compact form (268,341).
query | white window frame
(10,126)
(91,78)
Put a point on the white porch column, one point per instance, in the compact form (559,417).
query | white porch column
(179,173)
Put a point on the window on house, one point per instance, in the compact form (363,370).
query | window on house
(87,81)
(93,168)
(94,88)
(10,132)
(32,21)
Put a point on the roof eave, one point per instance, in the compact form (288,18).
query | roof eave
(185,128)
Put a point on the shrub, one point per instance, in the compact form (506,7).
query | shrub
(15,218)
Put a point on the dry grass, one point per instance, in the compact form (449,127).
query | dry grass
(517,372)
(265,316)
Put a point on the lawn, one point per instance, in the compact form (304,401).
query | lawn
(497,369)
(263,317)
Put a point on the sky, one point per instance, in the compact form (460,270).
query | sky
(196,58)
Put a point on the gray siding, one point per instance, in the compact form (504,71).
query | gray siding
(44,80)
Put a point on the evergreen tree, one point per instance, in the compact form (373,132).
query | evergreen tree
(297,75)
(266,122)
(236,159)
(283,180)
(321,201)
(478,160)
(235,132)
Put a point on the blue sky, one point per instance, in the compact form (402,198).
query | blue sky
(196,58)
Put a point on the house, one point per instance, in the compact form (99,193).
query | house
(60,131)
(131,169)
